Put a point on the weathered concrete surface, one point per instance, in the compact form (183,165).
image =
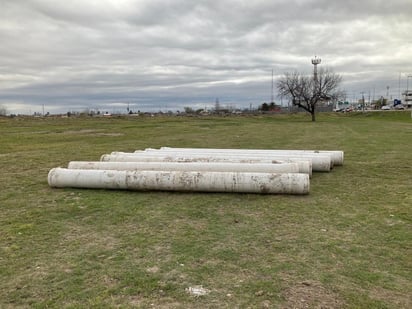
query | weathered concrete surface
(320,163)
(305,165)
(336,155)
(188,166)
(267,183)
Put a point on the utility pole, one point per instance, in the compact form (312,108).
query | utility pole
(369,98)
(271,97)
(363,101)
(315,63)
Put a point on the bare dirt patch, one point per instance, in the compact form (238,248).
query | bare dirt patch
(310,294)
(92,132)
(401,300)
(109,134)
(83,131)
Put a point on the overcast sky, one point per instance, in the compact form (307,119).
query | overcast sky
(155,55)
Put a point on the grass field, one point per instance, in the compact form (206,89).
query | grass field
(348,244)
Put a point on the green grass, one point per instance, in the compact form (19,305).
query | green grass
(347,244)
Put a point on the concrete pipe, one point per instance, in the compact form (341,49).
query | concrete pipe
(318,159)
(187,166)
(305,165)
(320,163)
(336,155)
(267,183)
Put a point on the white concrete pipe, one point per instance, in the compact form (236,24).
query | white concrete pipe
(336,155)
(305,165)
(320,159)
(320,163)
(186,166)
(267,183)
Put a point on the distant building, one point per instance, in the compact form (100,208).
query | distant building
(407,98)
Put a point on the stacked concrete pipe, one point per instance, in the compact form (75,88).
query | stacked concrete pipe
(319,162)
(305,165)
(204,170)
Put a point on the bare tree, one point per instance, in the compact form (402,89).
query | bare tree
(3,110)
(307,92)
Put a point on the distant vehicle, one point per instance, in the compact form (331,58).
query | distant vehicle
(385,108)
(397,102)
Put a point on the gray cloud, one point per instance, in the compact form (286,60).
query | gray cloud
(168,54)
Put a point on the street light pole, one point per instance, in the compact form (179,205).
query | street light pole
(363,101)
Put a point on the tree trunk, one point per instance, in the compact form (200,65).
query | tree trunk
(313,116)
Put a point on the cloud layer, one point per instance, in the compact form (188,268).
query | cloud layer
(159,55)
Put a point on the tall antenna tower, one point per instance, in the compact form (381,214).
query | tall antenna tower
(271,97)
(315,63)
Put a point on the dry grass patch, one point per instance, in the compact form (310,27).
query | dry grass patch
(311,294)
(398,299)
